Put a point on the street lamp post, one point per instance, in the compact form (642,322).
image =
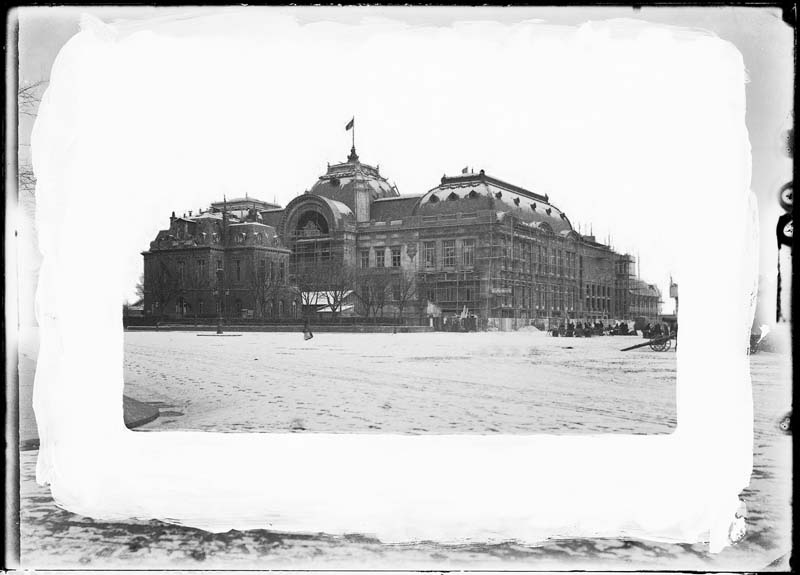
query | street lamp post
(220,278)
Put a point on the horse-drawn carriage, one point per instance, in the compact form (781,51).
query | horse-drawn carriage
(664,342)
(660,343)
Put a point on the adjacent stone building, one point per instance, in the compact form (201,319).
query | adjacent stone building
(225,260)
(473,243)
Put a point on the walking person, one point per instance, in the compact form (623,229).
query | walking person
(307,330)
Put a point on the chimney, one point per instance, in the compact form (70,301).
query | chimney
(172,217)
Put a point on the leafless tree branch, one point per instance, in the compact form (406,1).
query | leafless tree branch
(28,97)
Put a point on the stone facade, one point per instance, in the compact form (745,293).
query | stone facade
(473,242)
(182,267)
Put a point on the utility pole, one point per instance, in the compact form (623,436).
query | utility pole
(220,282)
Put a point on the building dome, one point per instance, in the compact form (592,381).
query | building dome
(341,182)
(474,192)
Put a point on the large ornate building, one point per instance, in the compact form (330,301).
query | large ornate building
(472,242)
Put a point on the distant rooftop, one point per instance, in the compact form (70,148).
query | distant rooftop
(243,203)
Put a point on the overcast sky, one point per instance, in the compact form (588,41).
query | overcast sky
(256,102)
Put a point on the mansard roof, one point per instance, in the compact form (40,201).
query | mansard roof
(473,192)
(387,209)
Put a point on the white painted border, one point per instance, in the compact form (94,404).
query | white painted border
(682,487)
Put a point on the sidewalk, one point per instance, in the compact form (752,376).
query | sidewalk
(135,412)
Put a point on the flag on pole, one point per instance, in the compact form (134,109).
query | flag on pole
(350,124)
(465,170)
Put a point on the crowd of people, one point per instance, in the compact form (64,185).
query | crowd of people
(586,328)
(589,329)
(656,330)
(456,323)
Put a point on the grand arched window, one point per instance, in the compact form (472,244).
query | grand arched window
(311,224)
(311,239)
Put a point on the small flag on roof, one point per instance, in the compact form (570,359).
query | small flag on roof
(350,124)
(465,170)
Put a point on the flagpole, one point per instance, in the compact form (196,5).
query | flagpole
(354,132)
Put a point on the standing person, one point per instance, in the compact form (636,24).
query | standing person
(307,330)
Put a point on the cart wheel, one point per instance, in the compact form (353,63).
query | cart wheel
(668,345)
(661,346)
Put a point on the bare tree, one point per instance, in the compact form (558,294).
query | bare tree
(362,293)
(371,287)
(337,283)
(426,289)
(28,97)
(261,286)
(164,286)
(26,178)
(139,290)
(305,284)
(404,290)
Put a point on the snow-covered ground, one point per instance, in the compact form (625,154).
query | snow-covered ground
(522,382)
(411,383)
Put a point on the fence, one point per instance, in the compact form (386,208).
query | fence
(288,324)
(335,324)
(289,328)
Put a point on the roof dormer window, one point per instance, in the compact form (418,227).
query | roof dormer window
(498,195)
(533,206)
(549,211)
(516,201)
(472,195)
(434,198)
(452,196)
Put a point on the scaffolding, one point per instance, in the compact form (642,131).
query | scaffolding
(531,276)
